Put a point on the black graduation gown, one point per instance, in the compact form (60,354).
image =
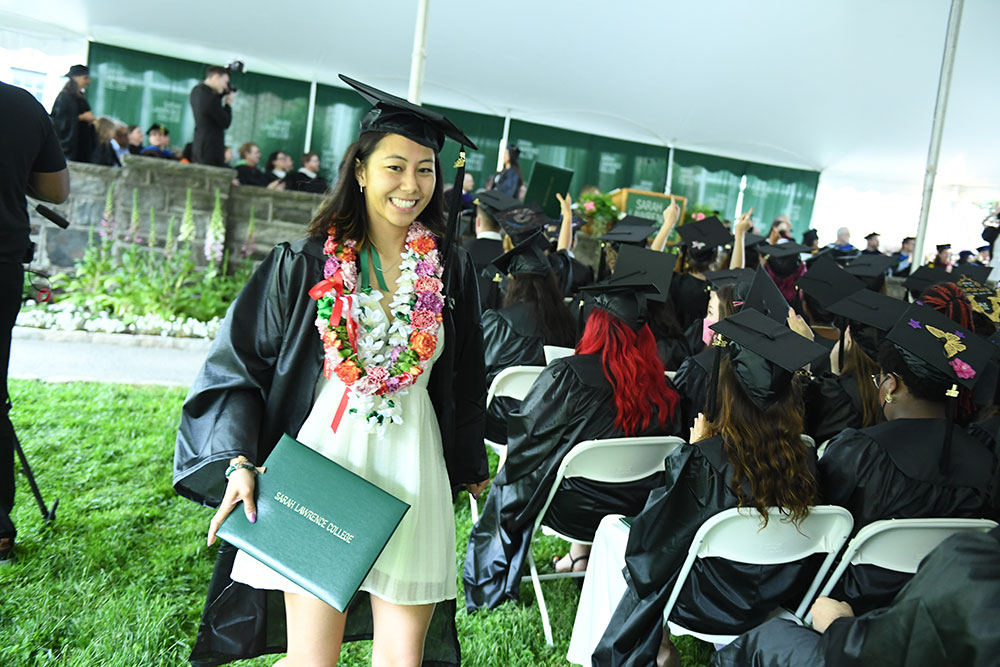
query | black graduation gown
(986,432)
(104,154)
(511,337)
(822,364)
(571,401)
(483,251)
(832,404)
(719,596)
(297,181)
(690,297)
(891,471)
(248,175)
(946,615)
(257,383)
(571,273)
(78,138)
(692,380)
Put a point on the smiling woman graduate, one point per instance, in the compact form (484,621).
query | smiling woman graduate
(378,277)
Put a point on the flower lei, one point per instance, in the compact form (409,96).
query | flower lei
(376,368)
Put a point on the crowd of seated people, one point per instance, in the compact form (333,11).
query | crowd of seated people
(809,344)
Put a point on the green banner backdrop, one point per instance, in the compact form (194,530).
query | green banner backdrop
(708,180)
(774,191)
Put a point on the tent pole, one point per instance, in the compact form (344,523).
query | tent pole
(310,116)
(504,138)
(419,53)
(937,130)
(670,170)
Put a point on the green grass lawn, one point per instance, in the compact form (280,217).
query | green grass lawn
(120,577)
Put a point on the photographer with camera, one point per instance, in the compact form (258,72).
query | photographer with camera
(33,164)
(211,102)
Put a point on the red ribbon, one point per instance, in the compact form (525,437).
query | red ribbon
(320,289)
(341,408)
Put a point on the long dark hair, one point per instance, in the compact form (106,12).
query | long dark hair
(550,310)
(765,448)
(73,88)
(513,152)
(861,367)
(345,209)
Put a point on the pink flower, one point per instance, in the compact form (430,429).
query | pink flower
(431,302)
(396,351)
(589,206)
(365,386)
(378,373)
(962,369)
(331,267)
(698,216)
(392,384)
(428,284)
(425,320)
(424,268)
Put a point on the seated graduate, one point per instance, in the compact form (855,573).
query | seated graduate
(917,463)
(748,452)
(700,243)
(630,230)
(613,386)
(733,289)
(533,315)
(247,172)
(571,273)
(307,178)
(941,617)
(823,284)
(783,262)
(871,269)
(845,397)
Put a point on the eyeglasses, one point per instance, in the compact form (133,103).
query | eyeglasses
(878,379)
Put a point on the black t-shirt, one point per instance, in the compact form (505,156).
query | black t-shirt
(28,144)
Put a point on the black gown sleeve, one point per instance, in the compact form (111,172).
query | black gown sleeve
(828,408)
(691,381)
(65,120)
(223,410)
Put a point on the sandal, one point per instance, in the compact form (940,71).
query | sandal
(572,563)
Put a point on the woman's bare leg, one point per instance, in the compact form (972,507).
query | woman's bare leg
(399,633)
(315,632)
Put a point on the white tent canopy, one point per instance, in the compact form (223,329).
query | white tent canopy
(846,87)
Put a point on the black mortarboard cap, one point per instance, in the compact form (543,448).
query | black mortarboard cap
(641,266)
(827,283)
(765,297)
(706,234)
(943,246)
(782,250)
(982,298)
(924,277)
(627,299)
(871,235)
(750,239)
(871,269)
(398,116)
(982,248)
(978,273)
(521,221)
(633,234)
(871,315)
(937,349)
(764,354)
(527,257)
(156,127)
(719,279)
(635,221)
(495,201)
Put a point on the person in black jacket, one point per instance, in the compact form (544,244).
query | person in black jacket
(271,372)
(72,117)
(941,617)
(33,164)
(307,178)
(247,172)
(533,316)
(211,102)
(614,386)
(917,463)
(749,454)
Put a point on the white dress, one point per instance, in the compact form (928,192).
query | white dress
(418,564)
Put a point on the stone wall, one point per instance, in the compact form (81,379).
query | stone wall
(163,185)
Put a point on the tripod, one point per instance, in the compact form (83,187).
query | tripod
(47,513)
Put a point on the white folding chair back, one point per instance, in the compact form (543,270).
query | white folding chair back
(899,544)
(808,440)
(613,460)
(553,352)
(736,535)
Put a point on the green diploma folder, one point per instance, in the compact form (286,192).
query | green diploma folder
(318,524)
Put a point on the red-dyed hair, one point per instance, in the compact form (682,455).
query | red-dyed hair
(949,299)
(632,367)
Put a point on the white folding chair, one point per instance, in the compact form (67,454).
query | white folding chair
(553,352)
(899,544)
(613,460)
(515,383)
(736,534)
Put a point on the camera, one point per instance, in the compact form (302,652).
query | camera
(235,67)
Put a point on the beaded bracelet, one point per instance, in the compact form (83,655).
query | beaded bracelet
(243,462)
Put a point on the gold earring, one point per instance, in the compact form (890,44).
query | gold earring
(888,397)
(361,188)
